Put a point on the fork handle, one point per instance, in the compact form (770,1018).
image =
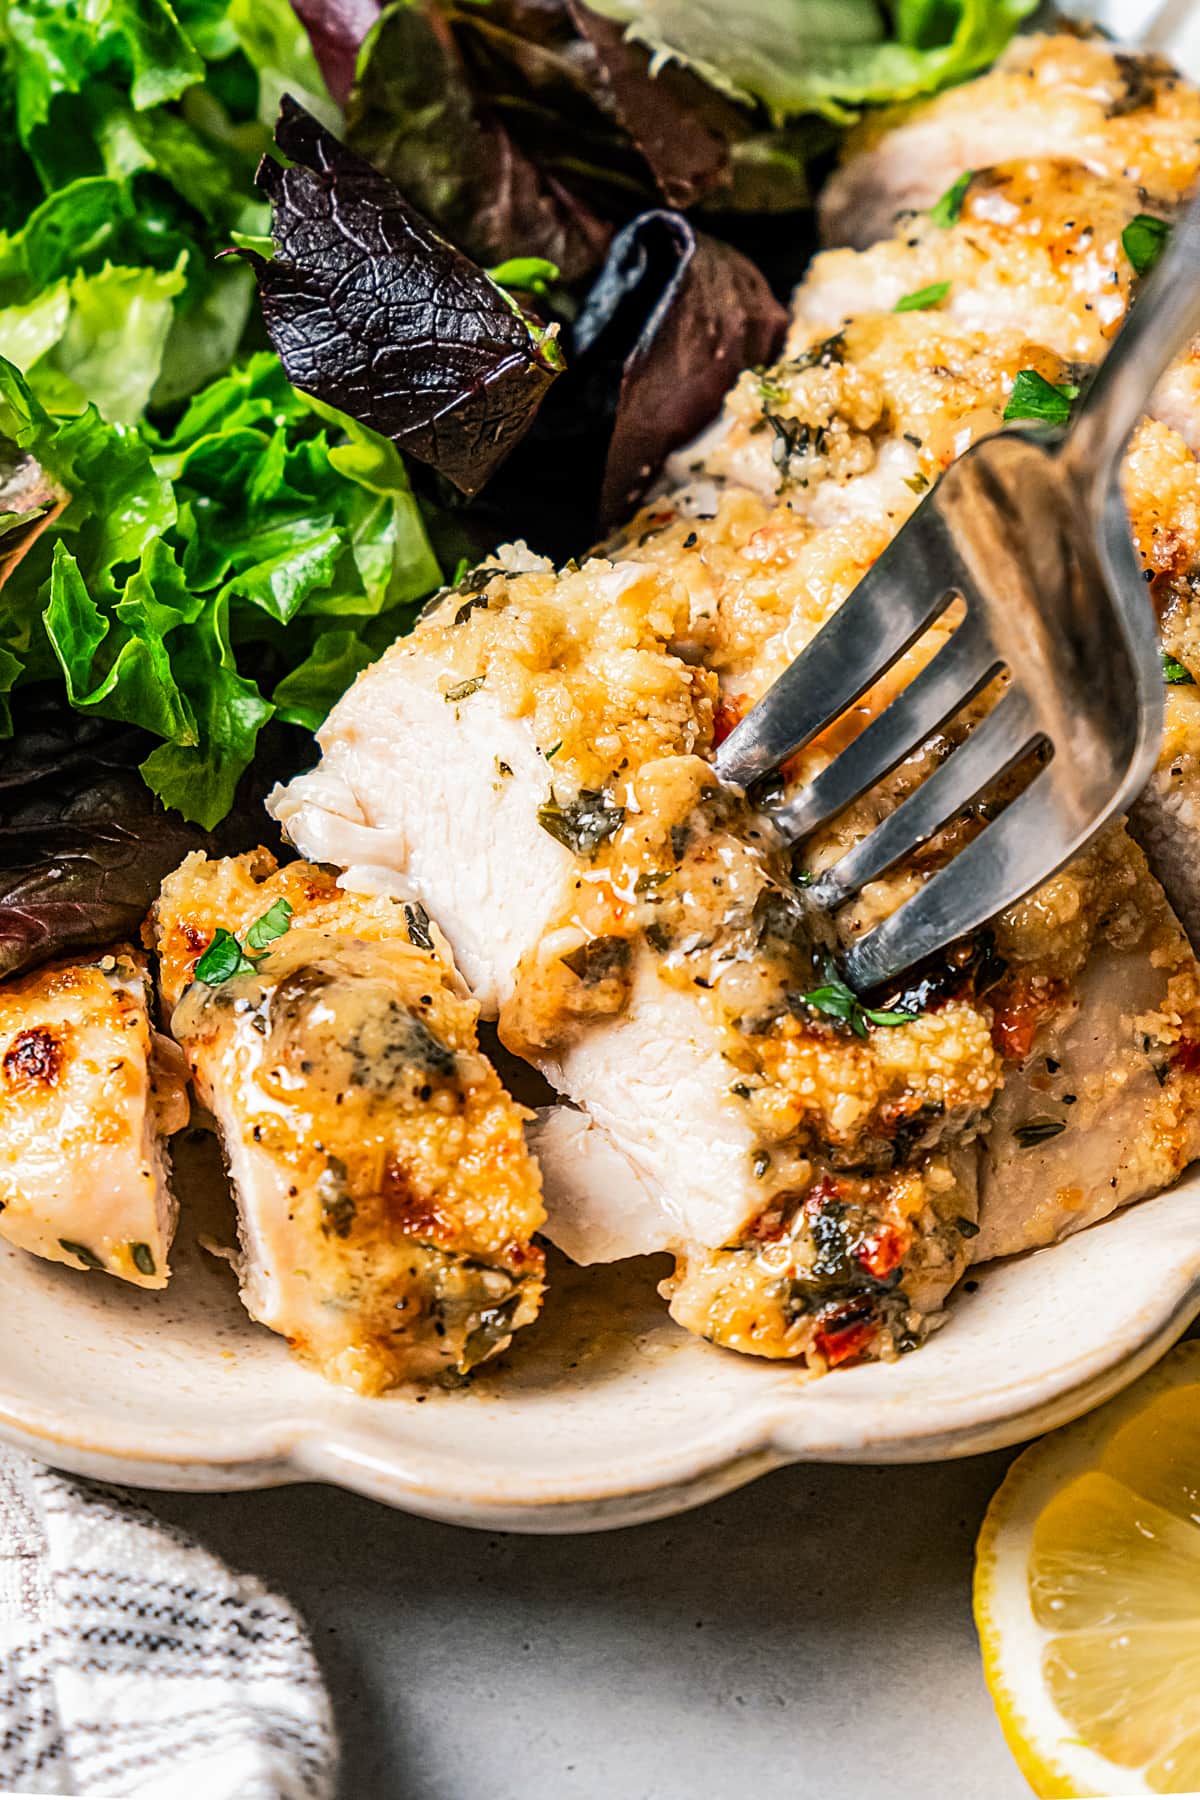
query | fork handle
(1165,316)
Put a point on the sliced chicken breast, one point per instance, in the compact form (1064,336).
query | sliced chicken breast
(1124,116)
(89,1094)
(826,1213)
(653,959)
(387,1202)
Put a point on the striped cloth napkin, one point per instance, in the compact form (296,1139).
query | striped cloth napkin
(133,1663)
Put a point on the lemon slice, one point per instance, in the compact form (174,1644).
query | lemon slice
(1087,1595)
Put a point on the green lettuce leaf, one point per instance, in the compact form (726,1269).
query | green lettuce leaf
(188,585)
(823,56)
(123,158)
(305,696)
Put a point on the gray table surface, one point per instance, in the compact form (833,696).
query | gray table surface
(808,1636)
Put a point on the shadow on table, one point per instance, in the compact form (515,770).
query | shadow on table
(814,1624)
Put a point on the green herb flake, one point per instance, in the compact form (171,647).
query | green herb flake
(271,925)
(551,754)
(772,392)
(918,482)
(1033,397)
(584,823)
(923,298)
(81,1253)
(223,959)
(417,920)
(143,1259)
(1175,674)
(834,1000)
(1037,1131)
(463,689)
(1144,240)
(947,211)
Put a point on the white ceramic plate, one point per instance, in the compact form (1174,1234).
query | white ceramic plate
(603,1413)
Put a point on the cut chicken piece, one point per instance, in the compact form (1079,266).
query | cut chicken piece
(853,429)
(1129,117)
(88,1095)
(812,1163)
(650,956)
(387,1202)
(1036,250)
(1103,1104)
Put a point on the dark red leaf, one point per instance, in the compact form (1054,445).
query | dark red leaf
(84,845)
(374,313)
(415,114)
(681,126)
(336,30)
(704,314)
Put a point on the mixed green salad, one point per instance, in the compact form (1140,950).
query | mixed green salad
(239,442)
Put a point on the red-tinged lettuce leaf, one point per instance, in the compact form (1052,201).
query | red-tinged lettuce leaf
(336,29)
(682,128)
(416,113)
(84,845)
(685,315)
(374,313)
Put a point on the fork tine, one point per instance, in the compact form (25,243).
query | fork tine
(898,597)
(995,745)
(1026,845)
(955,675)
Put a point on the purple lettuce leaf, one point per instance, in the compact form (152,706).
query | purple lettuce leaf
(683,314)
(84,845)
(374,313)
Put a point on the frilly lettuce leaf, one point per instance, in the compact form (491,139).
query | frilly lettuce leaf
(113,155)
(253,557)
(824,56)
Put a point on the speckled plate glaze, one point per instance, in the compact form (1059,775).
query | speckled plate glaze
(603,1413)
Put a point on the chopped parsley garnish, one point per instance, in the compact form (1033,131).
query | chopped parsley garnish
(923,298)
(946,211)
(584,823)
(1036,1131)
(225,957)
(773,392)
(271,925)
(835,1000)
(918,482)
(1174,673)
(1144,240)
(1033,397)
(462,689)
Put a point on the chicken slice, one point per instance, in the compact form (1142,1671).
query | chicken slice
(1104,1107)
(832,1207)
(88,1095)
(1129,117)
(387,1202)
(650,956)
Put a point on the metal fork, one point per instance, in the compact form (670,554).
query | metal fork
(1029,530)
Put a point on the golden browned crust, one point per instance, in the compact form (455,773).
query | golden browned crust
(382,1168)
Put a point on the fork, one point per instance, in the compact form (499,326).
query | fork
(1029,532)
